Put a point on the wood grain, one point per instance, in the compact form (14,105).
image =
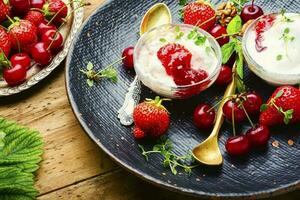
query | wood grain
(73,166)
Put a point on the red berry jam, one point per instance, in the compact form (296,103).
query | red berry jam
(264,24)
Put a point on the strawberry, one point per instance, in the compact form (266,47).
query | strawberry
(22,33)
(200,14)
(34,17)
(5,43)
(151,117)
(138,133)
(174,55)
(57,9)
(282,108)
(5,10)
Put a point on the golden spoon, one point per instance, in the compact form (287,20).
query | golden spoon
(208,152)
(157,15)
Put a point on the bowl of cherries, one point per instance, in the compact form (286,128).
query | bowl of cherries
(35,36)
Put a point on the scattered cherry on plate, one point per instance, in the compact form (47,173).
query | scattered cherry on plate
(217,31)
(41,54)
(258,135)
(230,107)
(251,11)
(22,59)
(53,38)
(204,116)
(238,145)
(14,75)
(20,7)
(225,76)
(253,102)
(37,4)
(127,56)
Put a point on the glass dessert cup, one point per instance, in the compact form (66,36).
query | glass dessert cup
(162,85)
(272,76)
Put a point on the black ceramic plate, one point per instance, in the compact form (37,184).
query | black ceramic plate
(115,26)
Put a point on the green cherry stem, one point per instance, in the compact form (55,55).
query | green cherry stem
(110,65)
(247,115)
(228,35)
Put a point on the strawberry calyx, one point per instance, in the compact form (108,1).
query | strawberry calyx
(14,22)
(157,102)
(287,114)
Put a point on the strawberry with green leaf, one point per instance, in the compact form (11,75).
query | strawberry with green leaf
(282,108)
(5,9)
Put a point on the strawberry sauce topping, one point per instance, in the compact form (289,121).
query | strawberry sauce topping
(176,60)
(262,26)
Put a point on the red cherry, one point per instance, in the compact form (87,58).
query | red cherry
(128,57)
(15,75)
(217,31)
(20,7)
(239,114)
(259,135)
(225,76)
(37,3)
(56,37)
(44,27)
(41,54)
(237,145)
(204,116)
(21,59)
(253,102)
(251,12)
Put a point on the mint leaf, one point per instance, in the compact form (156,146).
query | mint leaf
(279,57)
(200,40)
(177,29)
(162,40)
(264,107)
(89,66)
(90,82)
(227,51)
(235,25)
(279,94)
(288,115)
(110,73)
(183,2)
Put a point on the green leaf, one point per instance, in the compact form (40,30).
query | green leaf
(110,73)
(192,34)
(288,115)
(279,94)
(279,57)
(183,2)
(177,29)
(200,40)
(89,66)
(264,107)
(227,51)
(179,36)
(90,82)
(162,40)
(286,30)
(235,25)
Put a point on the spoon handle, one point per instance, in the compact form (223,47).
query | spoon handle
(132,98)
(230,90)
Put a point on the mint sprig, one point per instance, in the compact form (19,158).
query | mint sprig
(93,76)
(199,39)
(172,161)
(182,3)
(287,114)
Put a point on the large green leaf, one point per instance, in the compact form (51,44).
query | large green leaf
(22,147)
(20,154)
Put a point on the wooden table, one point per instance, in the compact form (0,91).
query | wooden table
(73,166)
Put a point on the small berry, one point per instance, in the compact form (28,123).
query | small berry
(259,135)
(225,76)
(251,12)
(138,133)
(237,145)
(41,54)
(21,59)
(253,103)
(127,54)
(232,106)
(217,31)
(14,75)
(204,116)
(53,38)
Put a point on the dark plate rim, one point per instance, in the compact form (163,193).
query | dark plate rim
(261,194)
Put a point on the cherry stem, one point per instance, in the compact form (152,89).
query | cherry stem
(218,103)
(248,117)
(110,65)
(65,21)
(197,24)
(252,4)
(227,35)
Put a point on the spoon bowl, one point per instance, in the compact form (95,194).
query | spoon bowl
(208,152)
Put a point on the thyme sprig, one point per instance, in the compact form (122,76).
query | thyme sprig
(172,161)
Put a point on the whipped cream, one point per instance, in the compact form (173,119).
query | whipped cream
(148,64)
(278,55)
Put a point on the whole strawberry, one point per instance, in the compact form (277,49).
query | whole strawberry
(151,118)
(283,107)
(199,13)
(35,17)
(5,9)
(5,43)
(22,33)
(57,9)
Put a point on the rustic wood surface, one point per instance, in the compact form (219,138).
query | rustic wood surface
(73,166)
